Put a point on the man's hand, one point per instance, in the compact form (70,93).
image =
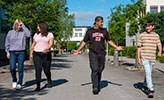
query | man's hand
(159,54)
(139,61)
(119,48)
(75,53)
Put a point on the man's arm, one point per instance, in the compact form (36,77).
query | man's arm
(139,55)
(114,45)
(76,52)
(159,50)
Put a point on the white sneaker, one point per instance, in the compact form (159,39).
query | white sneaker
(14,85)
(18,87)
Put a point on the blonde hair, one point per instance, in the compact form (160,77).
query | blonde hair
(16,23)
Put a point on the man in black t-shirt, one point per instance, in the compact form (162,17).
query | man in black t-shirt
(96,37)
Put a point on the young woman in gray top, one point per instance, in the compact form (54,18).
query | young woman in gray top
(15,47)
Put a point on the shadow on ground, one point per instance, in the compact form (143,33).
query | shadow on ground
(59,64)
(160,70)
(103,84)
(10,94)
(61,60)
(54,82)
(128,64)
(140,86)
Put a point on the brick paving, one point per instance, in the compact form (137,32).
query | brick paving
(71,81)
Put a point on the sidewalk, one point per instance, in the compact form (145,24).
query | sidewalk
(71,81)
(159,66)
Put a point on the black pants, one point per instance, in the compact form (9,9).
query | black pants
(42,60)
(97,64)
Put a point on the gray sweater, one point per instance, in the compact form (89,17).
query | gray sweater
(16,40)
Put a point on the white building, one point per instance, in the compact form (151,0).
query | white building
(78,33)
(152,6)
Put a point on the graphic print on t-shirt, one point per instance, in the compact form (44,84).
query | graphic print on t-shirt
(97,36)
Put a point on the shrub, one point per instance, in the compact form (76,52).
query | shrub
(129,51)
(111,51)
(71,45)
(161,59)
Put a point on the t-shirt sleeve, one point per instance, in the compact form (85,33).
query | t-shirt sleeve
(159,41)
(86,37)
(34,37)
(50,35)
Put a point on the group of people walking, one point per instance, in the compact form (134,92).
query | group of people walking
(15,46)
(96,36)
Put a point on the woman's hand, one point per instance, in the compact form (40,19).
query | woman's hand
(45,50)
(8,55)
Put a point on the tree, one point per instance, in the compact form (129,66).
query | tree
(133,12)
(30,12)
(116,25)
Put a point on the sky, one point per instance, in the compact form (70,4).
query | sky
(86,10)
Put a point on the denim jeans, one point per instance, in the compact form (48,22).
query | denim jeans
(17,56)
(97,64)
(148,66)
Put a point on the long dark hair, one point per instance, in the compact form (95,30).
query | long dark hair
(43,28)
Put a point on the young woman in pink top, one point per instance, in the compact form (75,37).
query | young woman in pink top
(40,52)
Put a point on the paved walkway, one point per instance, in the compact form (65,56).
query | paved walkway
(71,81)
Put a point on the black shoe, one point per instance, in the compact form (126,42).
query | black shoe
(37,89)
(95,90)
(49,85)
(150,95)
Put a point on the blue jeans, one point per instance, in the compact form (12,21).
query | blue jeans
(148,66)
(17,56)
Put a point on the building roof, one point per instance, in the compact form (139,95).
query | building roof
(82,26)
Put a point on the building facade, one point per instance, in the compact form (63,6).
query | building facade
(154,6)
(78,33)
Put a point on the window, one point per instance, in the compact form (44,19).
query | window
(80,34)
(76,35)
(153,9)
(162,8)
(78,29)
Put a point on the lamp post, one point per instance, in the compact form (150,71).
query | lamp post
(106,58)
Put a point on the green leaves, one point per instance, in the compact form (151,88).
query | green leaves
(122,15)
(54,12)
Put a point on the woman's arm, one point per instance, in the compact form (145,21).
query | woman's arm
(50,44)
(32,48)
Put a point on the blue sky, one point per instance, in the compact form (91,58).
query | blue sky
(86,10)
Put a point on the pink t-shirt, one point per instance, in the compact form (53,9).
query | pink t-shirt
(42,41)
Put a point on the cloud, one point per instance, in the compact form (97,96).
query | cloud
(85,15)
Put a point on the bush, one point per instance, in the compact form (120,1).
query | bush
(129,51)
(71,46)
(111,51)
(161,59)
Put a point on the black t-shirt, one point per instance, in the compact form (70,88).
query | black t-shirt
(96,38)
